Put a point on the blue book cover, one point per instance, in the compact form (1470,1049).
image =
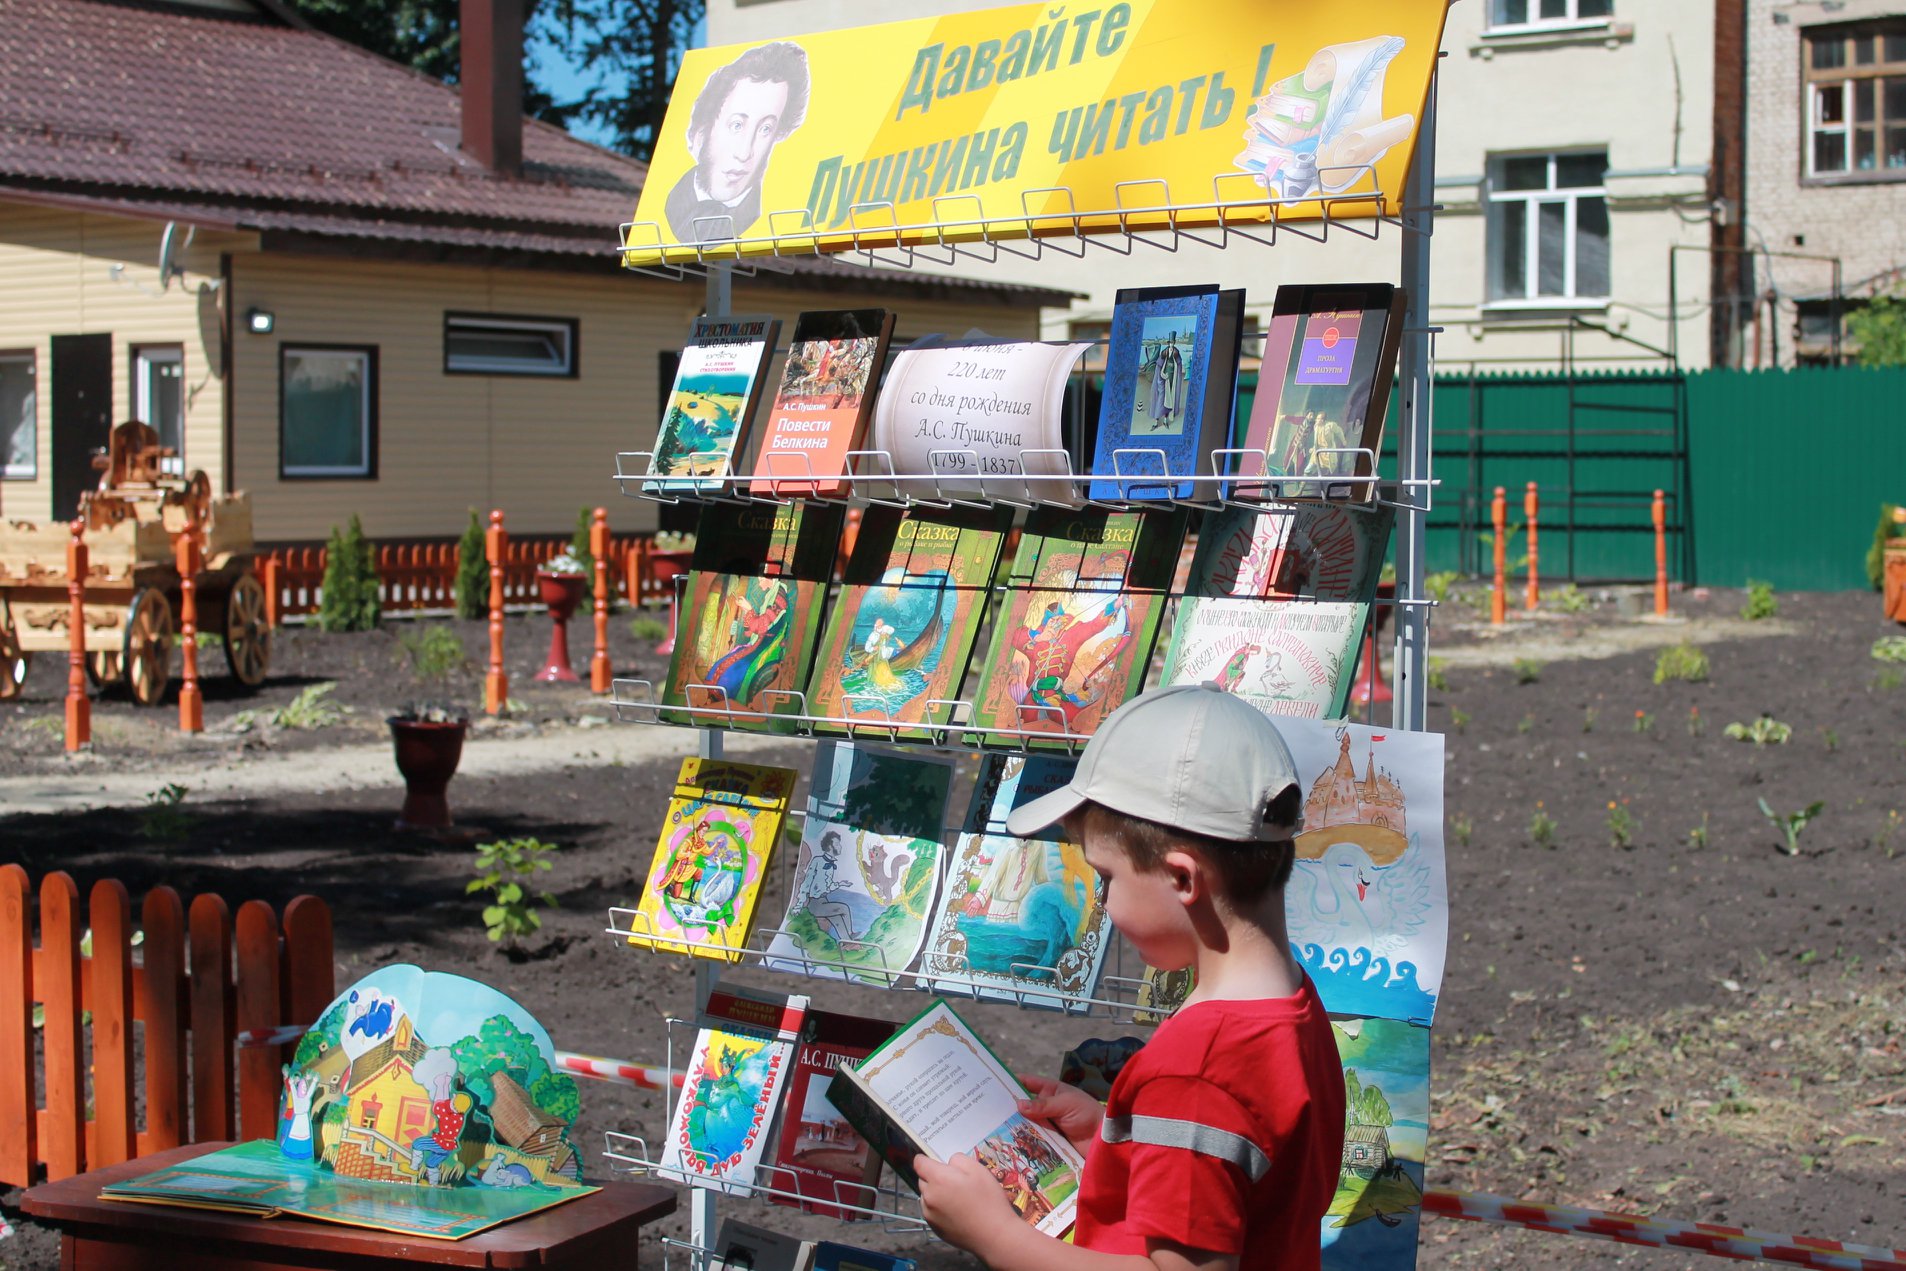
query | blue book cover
(1170,391)
(829,1256)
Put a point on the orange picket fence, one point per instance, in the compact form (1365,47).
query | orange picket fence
(161,1016)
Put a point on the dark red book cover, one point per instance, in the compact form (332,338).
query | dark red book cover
(820,1156)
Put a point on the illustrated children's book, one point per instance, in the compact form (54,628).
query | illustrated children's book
(1021,920)
(1324,389)
(722,822)
(1171,370)
(902,630)
(741,1247)
(1277,603)
(1075,628)
(829,1256)
(826,397)
(716,386)
(732,1086)
(1386,1067)
(869,870)
(751,613)
(937,1090)
(420,1102)
(820,1157)
(1161,993)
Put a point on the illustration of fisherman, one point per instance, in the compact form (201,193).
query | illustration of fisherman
(882,643)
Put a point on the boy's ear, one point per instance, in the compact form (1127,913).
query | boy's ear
(1187,874)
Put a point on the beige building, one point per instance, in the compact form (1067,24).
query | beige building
(1572,153)
(326,284)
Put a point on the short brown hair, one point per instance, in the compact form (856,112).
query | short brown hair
(1246,870)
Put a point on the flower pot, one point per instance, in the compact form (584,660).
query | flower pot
(561,593)
(1370,689)
(427,756)
(1894,580)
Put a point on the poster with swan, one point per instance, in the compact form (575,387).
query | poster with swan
(1368,902)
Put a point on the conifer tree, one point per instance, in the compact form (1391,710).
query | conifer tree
(473,571)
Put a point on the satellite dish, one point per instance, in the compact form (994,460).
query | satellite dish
(171,245)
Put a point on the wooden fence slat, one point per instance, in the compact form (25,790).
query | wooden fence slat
(308,980)
(211,937)
(19,1100)
(109,908)
(63,1130)
(162,1006)
(259,1080)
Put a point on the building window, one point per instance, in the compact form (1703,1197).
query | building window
(158,389)
(327,411)
(1856,101)
(19,416)
(1548,227)
(1516,15)
(496,344)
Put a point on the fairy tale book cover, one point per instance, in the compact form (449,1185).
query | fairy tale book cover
(820,1157)
(1078,620)
(752,613)
(826,398)
(902,629)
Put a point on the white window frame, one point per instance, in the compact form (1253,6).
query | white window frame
(564,329)
(1846,79)
(144,357)
(367,419)
(1572,22)
(30,470)
(1530,295)
(1817,128)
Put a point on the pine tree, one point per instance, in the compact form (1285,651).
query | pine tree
(350,599)
(579,546)
(473,571)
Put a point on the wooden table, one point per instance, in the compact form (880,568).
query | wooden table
(596,1231)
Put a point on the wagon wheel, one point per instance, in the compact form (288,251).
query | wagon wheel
(105,669)
(147,654)
(247,633)
(13,662)
(195,497)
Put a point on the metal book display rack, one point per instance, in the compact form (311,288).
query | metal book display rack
(1143,218)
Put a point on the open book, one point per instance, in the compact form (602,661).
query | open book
(936,1089)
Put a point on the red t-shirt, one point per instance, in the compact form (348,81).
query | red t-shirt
(1224,1133)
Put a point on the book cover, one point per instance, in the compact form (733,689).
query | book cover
(1386,1070)
(751,612)
(821,409)
(742,1247)
(1077,622)
(716,386)
(732,1087)
(937,1090)
(869,869)
(819,1156)
(1021,919)
(1171,368)
(829,1256)
(902,629)
(1161,993)
(1324,386)
(717,837)
(1277,602)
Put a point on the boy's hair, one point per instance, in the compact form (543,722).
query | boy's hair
(1246,871)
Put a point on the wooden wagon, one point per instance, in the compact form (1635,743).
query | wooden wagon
(132,585)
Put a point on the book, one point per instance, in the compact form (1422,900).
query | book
(717,837)
(741,1247)
(821,408)
(1324,386)
(1161,993)
(751,613)
(1095,1063)
(705,420)
(935,1089)
(902,629)
(820,1157)
(980,417)
(1277,603)
(829,1256)
(1021,920)
(1075,626)
(1386,1071)
(732,1086)
(1171,370)
(869,869)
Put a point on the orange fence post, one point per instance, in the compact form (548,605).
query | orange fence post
(191,701)
(19,1103)
(79,707)
(162,1007)
(257,1005)
(63,1124)
(115,1138)
(600,670)
(1530,506)
(496,685)
(210,940)
(1499,598)
(272,599)
(1661,553)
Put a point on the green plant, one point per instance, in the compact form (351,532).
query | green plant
(1765,731)
(1486,545)
(431,713)
(1696,725)
(1791,824)
(1541,827)
(44,726)
(1681,662)
(1458,718)
(1526,725)
(1832,738)
(1572,599)
(647,628)
(435,652)
(1621,824)
(579,543)
(1887,649)
(1589,716)
(1527,670)
(1877,329)
(349,599)
(1887,680)
(1697,837)
(674,541)
(311,708)
(1438,585)
(1438,677)
(473,571)
(161,820)
(565,562)
(503,869)
(1463,828)
(1761,602)
(1884,839)
(1644,722)
(1888,529)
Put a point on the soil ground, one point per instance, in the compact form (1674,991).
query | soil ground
(1689,1022)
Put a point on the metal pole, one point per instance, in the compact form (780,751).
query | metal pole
(1409,707)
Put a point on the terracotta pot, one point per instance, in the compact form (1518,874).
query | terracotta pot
(561,593)
(427,755)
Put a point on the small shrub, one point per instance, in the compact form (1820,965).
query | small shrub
(311,708)
(1887,680)
(1791,824)
(161,820)
(1883,533)
(1765,731)
(1697,837)
(1527,670)
(1463,828)
(473,571)
(1458,718)
(1526,725)
(1761,602)
(1831,737)
(1589,716)
(349,601)
(579,543)
(1621,824)
(1885,649)
(647,628)
(435,652)
(1572,599)
(1438,677)
(503,869)
(1438,585)
(1681,662)
(1541,827)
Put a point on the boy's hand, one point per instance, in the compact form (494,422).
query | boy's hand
(1068,1109)
(963,1203)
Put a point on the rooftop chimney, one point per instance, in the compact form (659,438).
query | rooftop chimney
(492,83)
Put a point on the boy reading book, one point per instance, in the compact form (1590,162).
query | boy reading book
(1222,1142)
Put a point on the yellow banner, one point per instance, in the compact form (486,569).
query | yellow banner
(1035,120)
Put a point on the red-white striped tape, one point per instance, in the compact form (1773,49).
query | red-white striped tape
(620,1071)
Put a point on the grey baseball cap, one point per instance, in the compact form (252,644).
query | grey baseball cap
(1190,756)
